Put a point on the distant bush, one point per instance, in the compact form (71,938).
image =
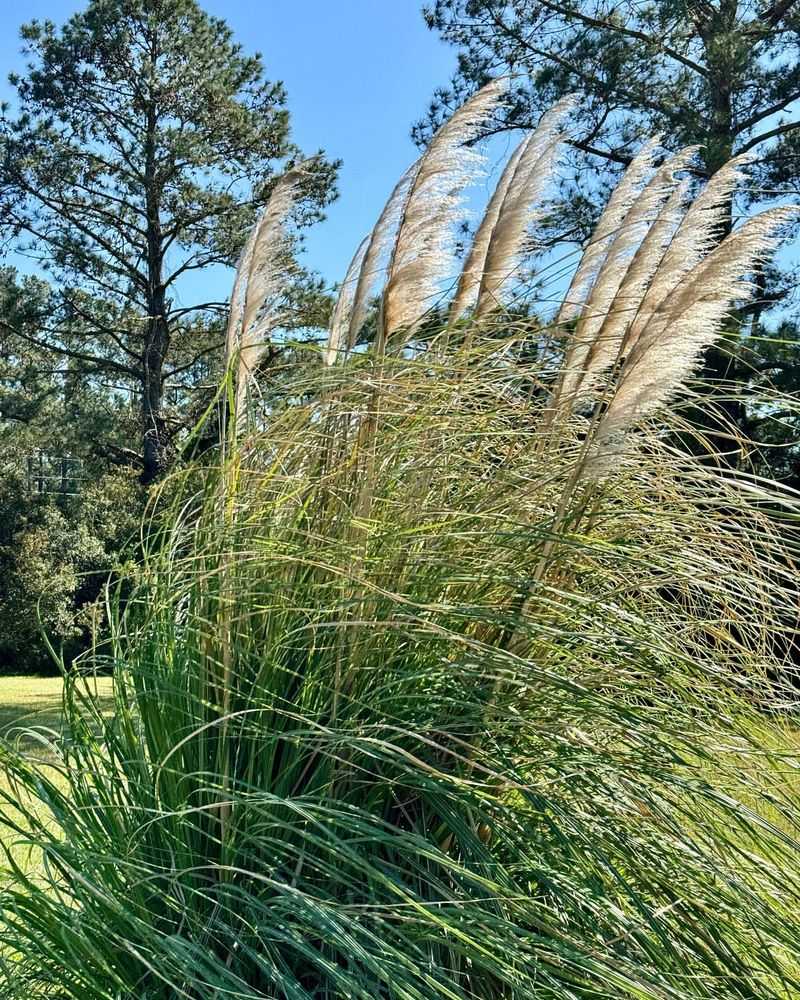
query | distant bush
(55,558)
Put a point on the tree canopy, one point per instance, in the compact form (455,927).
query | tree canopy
(723,74)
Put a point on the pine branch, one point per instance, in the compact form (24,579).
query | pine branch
(772,134)
(620,29)
(93,359)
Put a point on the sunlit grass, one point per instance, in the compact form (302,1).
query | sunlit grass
(440,681)
(36,703)
(32,719)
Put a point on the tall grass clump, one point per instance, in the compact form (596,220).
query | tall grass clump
(455,676)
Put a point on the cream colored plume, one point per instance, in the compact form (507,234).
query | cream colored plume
(257,300)
(622,197)
(338,332)
(521,206)
(598,334)
(236,312)
(378,252)
(697,234)
(422,255)
(611,256)
(614,337)
(470,281)
(687,322)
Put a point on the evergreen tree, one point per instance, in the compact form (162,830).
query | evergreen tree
(142,145)
(68,504)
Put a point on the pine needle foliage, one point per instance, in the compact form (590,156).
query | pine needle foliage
(443,683)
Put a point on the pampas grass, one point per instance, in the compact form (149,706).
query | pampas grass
(668,349)
(421,255)
(339,341)
(699,231)
(506,730)
(620,202)
(593,327)
(469,283)
(379,248)
(259,285)
(519,209)
(615,335)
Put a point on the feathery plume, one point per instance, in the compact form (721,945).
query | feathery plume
(598,335)
(667,352)
(236,312)
(618,248)
(615,211)
(338,332)
(378,250)
(614,337)
(260,281)
(422,253)
(696,235)
(470,281)
(521,206)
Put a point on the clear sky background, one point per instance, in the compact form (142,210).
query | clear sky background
(357,72)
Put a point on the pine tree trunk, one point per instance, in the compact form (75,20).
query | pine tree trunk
(155,444)
(155,438)
(719,362)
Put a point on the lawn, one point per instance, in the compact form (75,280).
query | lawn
(35,702)
(28,703)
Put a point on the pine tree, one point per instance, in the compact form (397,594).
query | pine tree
(142,145)
(723,74)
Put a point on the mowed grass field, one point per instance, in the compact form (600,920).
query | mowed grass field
(35,703)
(29,706)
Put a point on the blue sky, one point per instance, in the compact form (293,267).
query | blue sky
(358,73)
